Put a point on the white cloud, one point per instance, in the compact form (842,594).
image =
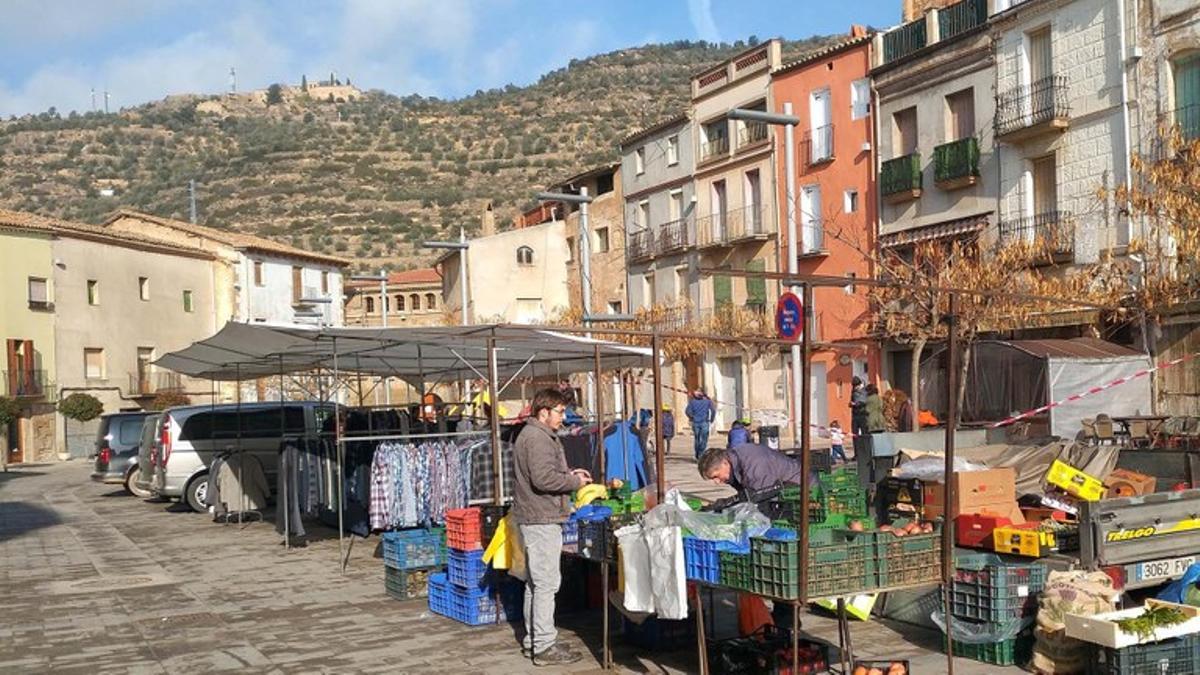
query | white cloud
(700,13)
(28,22)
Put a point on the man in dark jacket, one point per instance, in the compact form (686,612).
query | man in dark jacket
(700,412)
(668,425)
(541,503)
(749,467)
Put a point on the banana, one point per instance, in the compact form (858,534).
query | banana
(590,493)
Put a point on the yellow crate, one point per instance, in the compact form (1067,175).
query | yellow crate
(1023,541)
(1075,481)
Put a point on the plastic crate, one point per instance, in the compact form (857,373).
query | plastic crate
(593,540)
(845,566)
(987,589)
(477,606)
(775,566)
(884,665)
(767,650)
(1033,540)
(490,517)
(407,584)
(570,535)
(464,529)
(439,593)
(1176,656)
(702,560)
(912,559)
(661,635)
(844,477)
(734,570)
(1075,482)
(1012,652)
(466,569)
(414,549)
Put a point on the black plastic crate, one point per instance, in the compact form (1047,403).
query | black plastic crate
(1177,656)
(661,635)
(768,651)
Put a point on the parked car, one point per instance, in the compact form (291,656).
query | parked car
(117,443)
(143,478)
(192,436)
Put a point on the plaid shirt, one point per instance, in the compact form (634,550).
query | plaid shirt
(482,478)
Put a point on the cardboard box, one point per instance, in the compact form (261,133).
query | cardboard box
(991,490)
(1126,483)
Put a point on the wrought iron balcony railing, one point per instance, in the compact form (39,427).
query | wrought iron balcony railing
(24,383)
(1042,105)
(1052,231)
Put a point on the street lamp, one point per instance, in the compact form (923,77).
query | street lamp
(383,308)
(789,122)
(464,247)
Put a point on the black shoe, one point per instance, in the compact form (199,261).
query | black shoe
(556,655)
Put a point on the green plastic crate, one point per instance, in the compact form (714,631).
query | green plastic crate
(912,559)
(735,570)
(1014,652)
(839,478)
(846,566)
(775,567)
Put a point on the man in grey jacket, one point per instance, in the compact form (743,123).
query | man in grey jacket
(541,503)
(749,467)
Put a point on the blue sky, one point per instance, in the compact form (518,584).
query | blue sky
(52,52)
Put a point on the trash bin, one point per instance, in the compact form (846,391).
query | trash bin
(768,435)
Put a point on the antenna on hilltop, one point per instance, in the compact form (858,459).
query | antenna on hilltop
(232,80)
(93,99)
(106,101)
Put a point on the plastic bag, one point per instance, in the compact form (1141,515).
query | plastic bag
(933,468)
(667,574)
(635,567)
(1178,591)
(987,632)
(736,524)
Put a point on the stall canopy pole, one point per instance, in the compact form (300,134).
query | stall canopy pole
(341,460)
(656,358)
(805,412)
(283,497)
(494,421)
(600,429)
(950,496)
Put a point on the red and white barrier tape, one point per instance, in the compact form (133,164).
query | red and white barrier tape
(1094,390)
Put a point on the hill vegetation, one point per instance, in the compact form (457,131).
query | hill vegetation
(367,179)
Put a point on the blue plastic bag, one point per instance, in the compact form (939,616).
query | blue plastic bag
(1177,591)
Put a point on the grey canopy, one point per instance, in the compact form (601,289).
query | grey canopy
(246,351)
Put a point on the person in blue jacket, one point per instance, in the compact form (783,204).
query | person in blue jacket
(739,433)
(700,412)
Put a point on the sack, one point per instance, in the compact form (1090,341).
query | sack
(635,568)
(1183,591)
(667,573)
(1076,592)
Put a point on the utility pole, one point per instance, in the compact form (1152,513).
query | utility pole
(93,99)
(106,101)
(192,201)
(463,249)
(383,309)
(232,80)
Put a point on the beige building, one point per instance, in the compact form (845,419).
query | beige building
(414,298)
(737,226)
(517,276)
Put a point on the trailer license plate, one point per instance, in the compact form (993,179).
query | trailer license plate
(1164,569)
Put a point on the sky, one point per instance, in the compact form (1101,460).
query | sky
(54,52)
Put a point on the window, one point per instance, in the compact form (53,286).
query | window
(93,364)
(1045,189)
(672,150)
(187,302)
(524,257)
(297,284)
(93,292)
(643,214)
(639,160)
(399,306)
(681,284)
(614,307)
(430,301)
(144,356)
(904,139)
(602,240)
(960,115)
(675,204)
(39,292)
(415,301)
(648,290)
(722,290)
(1186,73)
(756,287)
(821,120)
(258,273)
(714,139)
(324,283)
(370,305)
(144,288)
(1038,54)
(753,191)
(570,249)
(850,201)
(860,98)
(849,288)
(812,234)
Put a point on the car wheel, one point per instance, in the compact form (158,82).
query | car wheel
(196,492)
(131,485)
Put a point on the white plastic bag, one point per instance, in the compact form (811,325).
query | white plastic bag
(635,564)
(667,573)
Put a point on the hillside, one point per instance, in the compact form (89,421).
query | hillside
(363,179)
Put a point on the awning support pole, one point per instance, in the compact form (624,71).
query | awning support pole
(494,421)
(656,358)
(950,498)
(805,354)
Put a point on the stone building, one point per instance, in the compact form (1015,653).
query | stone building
(414,298)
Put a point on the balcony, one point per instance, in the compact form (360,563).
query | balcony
(820,145)
(152,384)
(956,164)
(1052,232)
(24,383)
(673,236)
(754,133)
(900,179)
(1026,112)
(641,245)
(749,223)
(1187,119)
(904,40)
(961,17)
(667,318)
(716,148)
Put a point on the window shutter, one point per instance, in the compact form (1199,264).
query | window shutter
(756,289)
(722,290)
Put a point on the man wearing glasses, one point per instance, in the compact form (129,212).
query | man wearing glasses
(541,503)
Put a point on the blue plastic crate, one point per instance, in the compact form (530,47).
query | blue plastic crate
(413,549)
(702,559)
(467,569)
(570,535)
(439,594)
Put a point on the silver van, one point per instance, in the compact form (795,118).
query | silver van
(143,481)
(192,436)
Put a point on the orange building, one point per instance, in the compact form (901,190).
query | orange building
(830,92)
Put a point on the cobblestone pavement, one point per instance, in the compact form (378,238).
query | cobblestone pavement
(92,580)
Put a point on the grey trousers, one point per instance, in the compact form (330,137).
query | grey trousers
(543,553)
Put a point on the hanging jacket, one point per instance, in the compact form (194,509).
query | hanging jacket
(624,456)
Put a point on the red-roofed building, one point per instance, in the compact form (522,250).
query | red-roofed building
(413,299)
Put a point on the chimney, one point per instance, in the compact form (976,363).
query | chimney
(857,31)
(489,221)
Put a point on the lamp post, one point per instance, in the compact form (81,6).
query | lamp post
(463,249)
(789,122)
(383,308)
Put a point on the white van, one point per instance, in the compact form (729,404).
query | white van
(192,436)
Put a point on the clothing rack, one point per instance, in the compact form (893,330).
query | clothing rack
(404,437)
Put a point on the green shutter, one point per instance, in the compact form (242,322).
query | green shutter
(722,290)
(756,289)
(1187,96)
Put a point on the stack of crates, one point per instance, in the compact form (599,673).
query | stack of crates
(840,562)
(409,556)
(466,592)
(1173,656)
(912,559)
(702,557)
(989,592)
(840,492)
